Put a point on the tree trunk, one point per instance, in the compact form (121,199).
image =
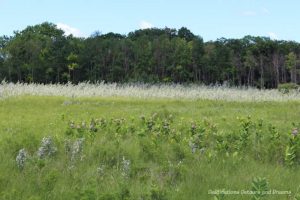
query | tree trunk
(19,75)
(293,75)
(57,74)
(248,76)
(32,74)
(276,68)
(9,73)
(261,73)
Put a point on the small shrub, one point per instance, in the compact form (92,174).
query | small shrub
(287,87)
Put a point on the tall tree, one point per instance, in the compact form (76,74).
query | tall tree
(291,63)
(44,54)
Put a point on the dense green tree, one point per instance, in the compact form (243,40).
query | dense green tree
(44,54)
(185,33)
(197,58)
(250,64)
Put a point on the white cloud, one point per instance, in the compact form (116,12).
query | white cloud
(144,25)
(249,13)
(273,36)
(69,30)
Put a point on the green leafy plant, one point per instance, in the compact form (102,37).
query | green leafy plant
(296,196)
(219,197)
(290,156)
(259,186)
(246,124)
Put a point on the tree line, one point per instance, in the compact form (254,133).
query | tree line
(44,54)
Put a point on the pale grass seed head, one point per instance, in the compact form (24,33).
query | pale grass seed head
(146,91)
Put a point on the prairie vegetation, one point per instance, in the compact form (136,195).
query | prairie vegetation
(153,91)
(131,148)
(151,114)
(155,114)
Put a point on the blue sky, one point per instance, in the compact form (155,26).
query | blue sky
(210,19)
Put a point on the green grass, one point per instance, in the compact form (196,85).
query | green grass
(162,165)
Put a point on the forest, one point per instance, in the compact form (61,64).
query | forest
(44,54)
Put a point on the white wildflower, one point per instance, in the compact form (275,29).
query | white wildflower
(126,167)
(77,148)
(93,126)
(21,158)
(47,148)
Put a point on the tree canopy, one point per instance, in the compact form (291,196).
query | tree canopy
(44,54)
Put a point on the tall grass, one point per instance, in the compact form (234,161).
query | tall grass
(146,91)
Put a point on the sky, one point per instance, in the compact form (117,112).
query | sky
(210,19)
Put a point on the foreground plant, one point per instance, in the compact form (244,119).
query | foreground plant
(21,158)
(47,148)
(74,149)
(156,151)
(259,187)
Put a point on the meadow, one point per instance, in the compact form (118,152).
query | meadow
(148,142)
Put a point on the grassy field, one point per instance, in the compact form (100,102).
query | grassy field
(131,148)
